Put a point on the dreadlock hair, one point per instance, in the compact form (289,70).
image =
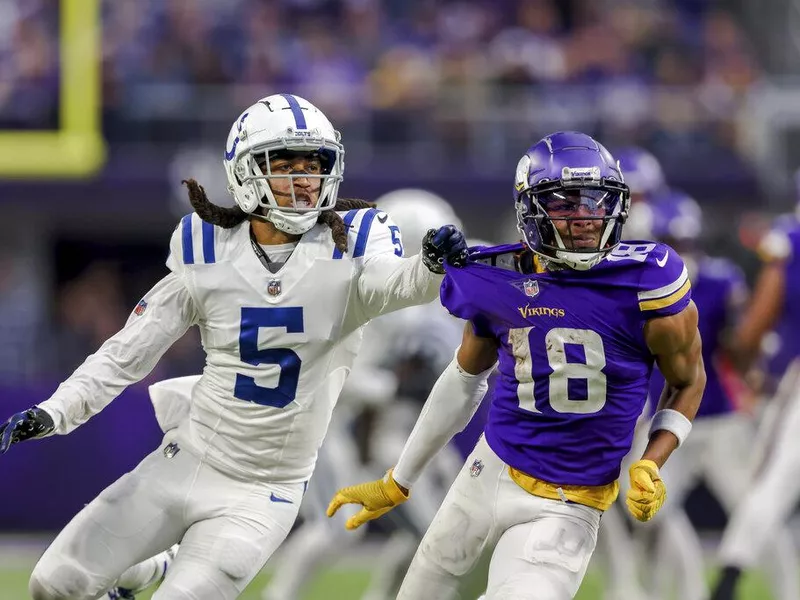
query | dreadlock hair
(229,217)
(332,219)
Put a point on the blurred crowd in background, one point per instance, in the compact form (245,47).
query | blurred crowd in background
(427,93)
(460,72)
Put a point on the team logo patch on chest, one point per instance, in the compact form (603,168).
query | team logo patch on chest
(274,287)
(476,468)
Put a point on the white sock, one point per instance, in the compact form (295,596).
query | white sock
(147,572)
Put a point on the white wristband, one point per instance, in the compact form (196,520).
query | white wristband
(672,421)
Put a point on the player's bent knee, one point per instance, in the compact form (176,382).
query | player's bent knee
(37,590)
(172,592)
(197,586)
(530,586)
(454,542)
(67,583)
(237,558)
(452,560)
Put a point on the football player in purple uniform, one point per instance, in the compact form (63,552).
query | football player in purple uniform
(773,493)
(718,451)
(575,319)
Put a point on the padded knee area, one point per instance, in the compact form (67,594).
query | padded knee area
(196,582)
(454,543)
(171,592)
(530,586)
(65,583)
(236,557)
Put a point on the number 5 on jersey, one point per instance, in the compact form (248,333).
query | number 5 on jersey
(254,319)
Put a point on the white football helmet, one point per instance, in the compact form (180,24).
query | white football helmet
(416,211)
(282,122)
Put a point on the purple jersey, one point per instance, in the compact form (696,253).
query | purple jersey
(783,244)
(719,291)
(573,363)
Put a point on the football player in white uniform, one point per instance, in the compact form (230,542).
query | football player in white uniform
(280,287)
(379,381)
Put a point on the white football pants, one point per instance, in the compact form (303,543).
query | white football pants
(227,531)
(320,538)
(541,547)
(756,526)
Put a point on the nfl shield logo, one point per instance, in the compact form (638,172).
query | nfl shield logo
(476,468)
(140,308)
(531,287)
(274,287)
(171,450)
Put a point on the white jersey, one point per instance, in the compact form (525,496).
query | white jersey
(279,346)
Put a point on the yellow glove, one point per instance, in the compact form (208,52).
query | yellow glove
(647,492)
(375,497)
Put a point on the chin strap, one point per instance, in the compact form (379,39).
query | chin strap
(291,223)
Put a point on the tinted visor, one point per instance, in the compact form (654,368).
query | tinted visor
(578,217)
(577,203)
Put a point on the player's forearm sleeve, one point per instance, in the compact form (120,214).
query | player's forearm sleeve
(389,283)
(125,358)
(453,400)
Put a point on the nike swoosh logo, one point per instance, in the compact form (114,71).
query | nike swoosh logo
(663,260)
(275,498)
(382,217)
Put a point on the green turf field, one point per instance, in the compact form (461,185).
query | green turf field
(340,584)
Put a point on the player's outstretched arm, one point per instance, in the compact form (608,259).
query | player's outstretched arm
(164,315)
(450,405)
(761,314)
(777,252)
(388,283)
(675,342)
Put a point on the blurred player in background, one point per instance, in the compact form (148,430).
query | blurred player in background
(280,286)
(775,488)
(400,358)
(719,449)
(645,178)
(576,319)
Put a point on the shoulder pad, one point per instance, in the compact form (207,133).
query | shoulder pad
(779,244)
(664,286)
(194,242)
(504,256)
(657,273)
(370,231)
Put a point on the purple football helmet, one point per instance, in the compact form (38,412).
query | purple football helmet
(571,199)
(676,219)
(643,172)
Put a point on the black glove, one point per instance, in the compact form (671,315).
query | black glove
(444,244)
(24,425)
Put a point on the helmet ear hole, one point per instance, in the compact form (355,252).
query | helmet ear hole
(240,172)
